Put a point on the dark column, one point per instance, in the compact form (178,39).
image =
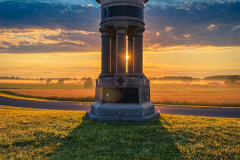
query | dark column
(121,32)
(105,57)
(113,53)
(138,52)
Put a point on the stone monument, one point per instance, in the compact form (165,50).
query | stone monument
(122,95)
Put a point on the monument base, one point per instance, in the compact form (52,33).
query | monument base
(93,117)
(122,112)
(122,97)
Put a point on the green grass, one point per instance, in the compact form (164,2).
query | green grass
(49,134)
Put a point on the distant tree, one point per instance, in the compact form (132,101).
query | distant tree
(237,83)
(48,81)
(187,80)
(84,79)
(74,79)
(68,79)
(219,77)
(88,83)
(232,81)
(61,81)
(17,77)
(41,79)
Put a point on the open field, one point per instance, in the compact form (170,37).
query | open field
(198,99)
(160,94)
(34,81)
(49,134)
(39,86)
(80,95)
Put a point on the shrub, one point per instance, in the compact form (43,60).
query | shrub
(61,81)
(48,81)
(88,83)
(232,81)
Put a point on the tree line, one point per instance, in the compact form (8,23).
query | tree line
(88,84)
(233,81)
(11,77)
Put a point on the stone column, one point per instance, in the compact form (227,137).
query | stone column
(121,32)
(105,58)
(138,52)
(113,53)
(130,53)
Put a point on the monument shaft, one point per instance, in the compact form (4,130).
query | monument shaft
(121,95)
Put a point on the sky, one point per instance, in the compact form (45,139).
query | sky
(60,38)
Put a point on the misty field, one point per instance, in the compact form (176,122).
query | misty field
(160,94)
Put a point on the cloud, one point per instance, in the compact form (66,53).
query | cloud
(183,4)
(235,27)
(45,15)
(202,24)
(211,27)
(46,26)
(47,40)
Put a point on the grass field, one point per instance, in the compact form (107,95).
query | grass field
(39,86)
(160,94)
(49,134)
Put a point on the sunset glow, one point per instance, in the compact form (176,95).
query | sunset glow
(64,40)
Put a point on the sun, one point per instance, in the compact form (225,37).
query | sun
(127,56)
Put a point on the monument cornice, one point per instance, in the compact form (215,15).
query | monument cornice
(138,30)
(121,26)
(105,32)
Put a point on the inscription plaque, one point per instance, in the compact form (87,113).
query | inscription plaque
(120,95)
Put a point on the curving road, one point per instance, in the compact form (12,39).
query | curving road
(195,111)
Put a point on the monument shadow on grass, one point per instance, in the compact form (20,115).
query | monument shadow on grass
(118,140)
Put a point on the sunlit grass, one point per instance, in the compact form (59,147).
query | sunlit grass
(32,133)
(49,134)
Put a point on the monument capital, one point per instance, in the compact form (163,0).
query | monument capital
(138,31)
(105,31)
(121,26)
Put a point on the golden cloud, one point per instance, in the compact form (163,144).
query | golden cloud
(18,37)
(168,28)
(211,27)
(157,48)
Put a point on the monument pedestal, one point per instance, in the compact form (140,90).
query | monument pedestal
(123,112)
(122,98)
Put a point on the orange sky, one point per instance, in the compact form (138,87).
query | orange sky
(194,39)
(197,62)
